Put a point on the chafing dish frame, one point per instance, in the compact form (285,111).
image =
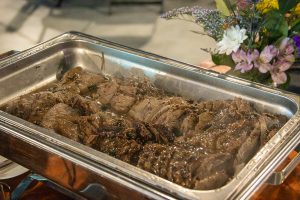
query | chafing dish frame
(29,145)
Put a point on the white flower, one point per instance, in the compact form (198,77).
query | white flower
(233,37)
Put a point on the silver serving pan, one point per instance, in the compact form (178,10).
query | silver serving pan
(80,168)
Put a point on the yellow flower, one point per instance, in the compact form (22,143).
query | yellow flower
(297,9)
(266,5)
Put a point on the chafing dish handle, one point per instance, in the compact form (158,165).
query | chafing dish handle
(279,177)
(6,54)
(95,191)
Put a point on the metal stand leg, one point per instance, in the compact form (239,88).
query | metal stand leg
(20,189)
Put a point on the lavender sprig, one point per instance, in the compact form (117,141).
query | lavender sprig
(211,19)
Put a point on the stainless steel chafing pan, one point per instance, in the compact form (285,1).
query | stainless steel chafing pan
(78,167)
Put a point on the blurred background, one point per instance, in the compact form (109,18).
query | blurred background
(134,23)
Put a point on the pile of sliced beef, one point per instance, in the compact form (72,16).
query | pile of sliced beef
(196,144)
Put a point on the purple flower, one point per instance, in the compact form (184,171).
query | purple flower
(277,72)
(268,53)
(296,39)
(283,65)
(244,61)
(285,58)
(243,67)
(263,62)
(239,55)
(278,69)
(289,49)
(263,67)
(278,77)
(286,47)
(271,59)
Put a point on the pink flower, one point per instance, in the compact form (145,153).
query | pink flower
(278,77)
(285,58)
(283,65)
(239,55)
(278,71)
(263,67)
(268,53)
(243,67)
(289,49)
(274,60)
(244,61)
(286,47)
(289,58)
(266,56)
(284,43)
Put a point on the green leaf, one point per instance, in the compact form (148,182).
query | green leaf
(276,24)
(295,28)
(287,5)
(222,59)
(222,7)
(253,75)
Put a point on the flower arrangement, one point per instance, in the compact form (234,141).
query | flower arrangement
(258,39)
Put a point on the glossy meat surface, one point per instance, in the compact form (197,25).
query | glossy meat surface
(196,144)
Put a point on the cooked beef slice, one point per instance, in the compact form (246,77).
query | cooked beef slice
(196,144)
(170,111)
(213,163)
(121,103)
(112,126)
(87,126)
(123,149)
(216,180)
(60,118)
(106,91)
(84,105)
(32,107)
(66,96)
(269,125)
(128,90)
(204,121)
(247,149)
(143,109)
(139,87)
(156,158)
(187,168)
(188,124)
(121,94)
(85,81)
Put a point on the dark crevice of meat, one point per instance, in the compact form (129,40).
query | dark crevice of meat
(123,149)
(84,105)
(196,144)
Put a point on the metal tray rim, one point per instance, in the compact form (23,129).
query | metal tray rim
(74,36)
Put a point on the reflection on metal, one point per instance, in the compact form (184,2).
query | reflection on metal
(95,191)
(279,177)
(4,188)
(77,167)
(24,184)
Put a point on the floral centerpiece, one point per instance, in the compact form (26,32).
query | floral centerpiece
(258,39)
